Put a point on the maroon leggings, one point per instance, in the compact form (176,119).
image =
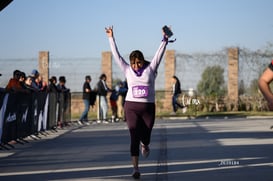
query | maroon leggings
(140,118)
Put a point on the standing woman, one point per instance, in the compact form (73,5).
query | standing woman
(176,93)
(140,99)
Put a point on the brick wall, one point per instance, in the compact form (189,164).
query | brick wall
(44,65)
(106,67)
(233,68)
(170,62)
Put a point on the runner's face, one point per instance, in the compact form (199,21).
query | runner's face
(136,64)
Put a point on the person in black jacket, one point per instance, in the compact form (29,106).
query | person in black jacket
(176,93)
(102,90)
(86,99)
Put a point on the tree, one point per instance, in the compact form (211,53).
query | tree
(212,86)
(212,82)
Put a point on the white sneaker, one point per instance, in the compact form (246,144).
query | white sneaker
(105,122)
(184,109)
(79,122)
(87,123)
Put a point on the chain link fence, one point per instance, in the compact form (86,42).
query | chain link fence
(189,69)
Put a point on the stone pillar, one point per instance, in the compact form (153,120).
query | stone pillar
(170,63)
(44,65)
(106,67)
(233,69)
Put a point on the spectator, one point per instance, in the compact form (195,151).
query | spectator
(86,100)
(176,92)
(122,91)
(61,86)
(63,101)
(113,103)
(52,87)
(34,75)
(22,78)
(53,102)
(102,90)
(14,83)
(28,84)
(41,83)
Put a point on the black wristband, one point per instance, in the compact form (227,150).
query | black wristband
(165,38)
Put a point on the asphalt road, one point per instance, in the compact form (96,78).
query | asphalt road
(191,150)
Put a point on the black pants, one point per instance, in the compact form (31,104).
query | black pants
(140,119)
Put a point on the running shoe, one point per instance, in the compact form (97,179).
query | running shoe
(136,174)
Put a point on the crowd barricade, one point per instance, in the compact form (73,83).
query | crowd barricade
(25,114)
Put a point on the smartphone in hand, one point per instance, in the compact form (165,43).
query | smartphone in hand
(167,31)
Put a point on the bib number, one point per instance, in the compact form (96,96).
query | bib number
(140,91)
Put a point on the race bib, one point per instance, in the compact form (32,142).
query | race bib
(140,91)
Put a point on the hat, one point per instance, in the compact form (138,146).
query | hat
(35,72)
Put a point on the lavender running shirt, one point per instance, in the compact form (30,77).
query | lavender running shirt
(140,88)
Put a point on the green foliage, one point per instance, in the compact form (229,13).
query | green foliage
(212,82)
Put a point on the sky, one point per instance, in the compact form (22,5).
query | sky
(75,28)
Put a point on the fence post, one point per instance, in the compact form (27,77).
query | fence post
(106,67)
(170,63)
(44,65)
(233,68)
